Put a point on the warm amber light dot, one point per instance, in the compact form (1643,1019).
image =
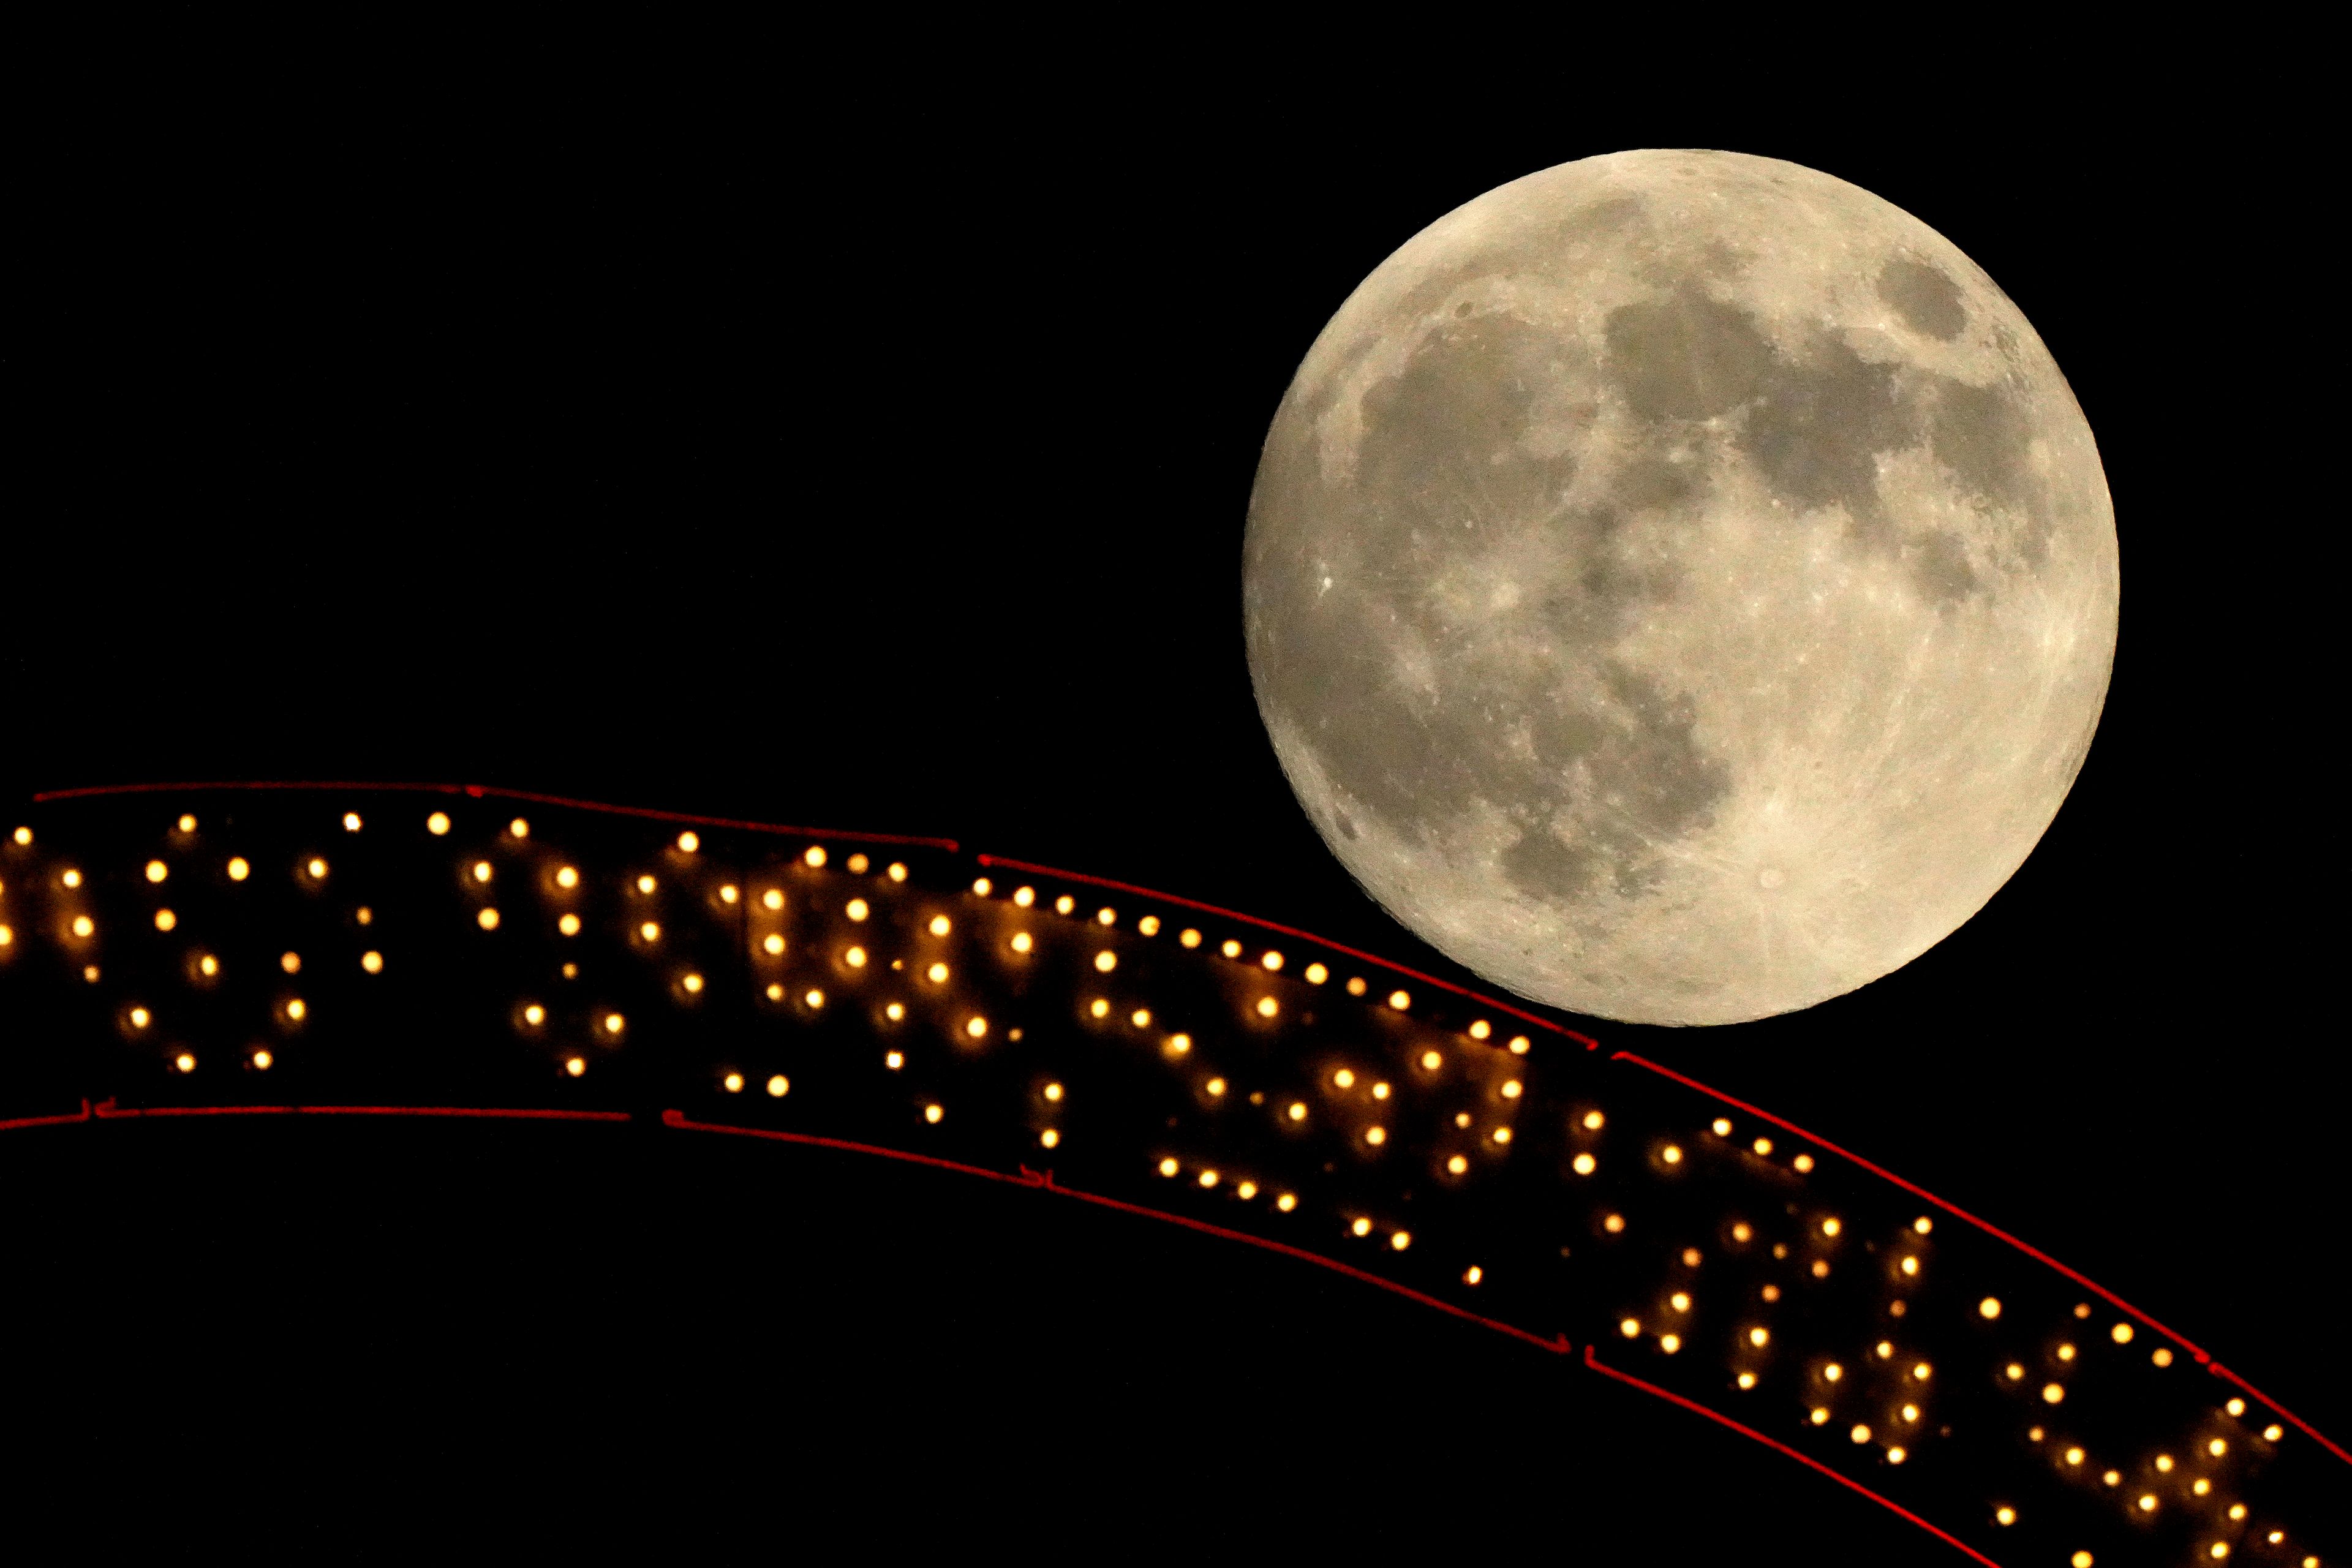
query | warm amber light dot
(1910,1266)
(83,925)
(575,1066)
(897,872)
(693,983)
(814,998)
(2201,1486)
(438,824)
(481,871)
(184,1062)
(239,868)
(932,1113)
(690,842)
(262,1060)
(2163,1356)
(1830,1228)
(1922,1372)
(1670,1343)
(1265,1007)
(2217,1448)
(940,926)
(855,958)
(2273,1433)
(157,871)
(1380,1091)
(1763,1145)
(2074,1456)
(1362,1228)
(938,972)
(1690,1257)
(2052,1393)
(1894,1456)
(1679,1302)
(1820,1416)
(1472,1275)
(1356,986)
(894,1060)
(165,919)
(1149,926)
(2235,1407)
(1020,941)
(1480,1028)
(779,1086)
(1457,1165)
(318,870)
(1833,1372)
(2065,1352)
(733,1083)
(1501,1134)
(1511,1088)
(1884,1350)
(772,944)
(1140,1017)
(1989,1307)
(1400,1000)
(2005,1515)
(7,936)
(1592,1122)
(1180,1044)
(1631,1328)
(1208,1178)
(1860,1433)
(1216,1086)
(1317,975)
(139,1016)
(1105,961)
(1746,1380)
(1105,917)
(290,962)
(569,925)
(815,855)
(208,965)
(187,824)
(1188,938)
(615,1023)
(1285,1203)
(858,863)
(2080,1560)
(488,919)
(1232,948)
(1722,1128)
(534,1015)
(1613,1223)
(1272,961)
(1585,1165)
(975,1026)
(1376,1136)
(1671,1154)
(567,877)
(1759,1336)
(1098,1008)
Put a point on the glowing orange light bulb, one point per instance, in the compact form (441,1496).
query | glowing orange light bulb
(575,1066)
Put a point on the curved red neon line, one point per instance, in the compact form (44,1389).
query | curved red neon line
(1046,1183)
(1953,1541)
(479,791)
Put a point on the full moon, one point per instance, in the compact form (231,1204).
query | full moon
(1680,586)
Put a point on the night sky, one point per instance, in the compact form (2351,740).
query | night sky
(883,464)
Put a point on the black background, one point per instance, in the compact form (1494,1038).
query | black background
(875,456)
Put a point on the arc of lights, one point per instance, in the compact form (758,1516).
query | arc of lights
(225,948)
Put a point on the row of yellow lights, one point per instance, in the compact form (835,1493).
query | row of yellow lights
(1272,961)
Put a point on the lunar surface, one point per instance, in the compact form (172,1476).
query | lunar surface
(1680,586)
